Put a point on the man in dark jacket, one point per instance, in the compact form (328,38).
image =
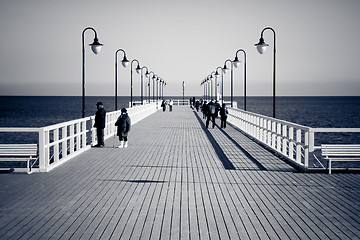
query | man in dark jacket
(100,124)
(124,124)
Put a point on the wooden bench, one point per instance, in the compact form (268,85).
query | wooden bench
(18,152)
(340,153)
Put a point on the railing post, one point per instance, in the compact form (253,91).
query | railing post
(42,161)
(83,134)
(306,154)
(71,138)
(64,142)
(47,149)
(278,138)
(298,145)
(273,135)
(291,143)
(93,132)
(56,146)
(284,140)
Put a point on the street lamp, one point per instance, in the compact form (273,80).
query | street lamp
(212,91)
(222,83)
(261,47)
(125,63)
(225,69)
(237,64)
(183,88)
(138,70)
(147,72)
(157,88)
(95,47)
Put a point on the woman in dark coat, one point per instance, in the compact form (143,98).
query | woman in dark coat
(124,124)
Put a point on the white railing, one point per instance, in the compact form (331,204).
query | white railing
(294,141)
(61,142)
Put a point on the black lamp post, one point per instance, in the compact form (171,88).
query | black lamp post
(125,63)
(138,70)
(222,83)
(95,47)
(261,47)
(147,72)
(183,88)
(225,69)
(237,64)
(164,85)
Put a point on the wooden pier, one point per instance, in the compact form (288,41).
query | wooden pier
(179,180)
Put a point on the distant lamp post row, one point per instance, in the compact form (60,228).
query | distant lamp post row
(261,47)
(95,47)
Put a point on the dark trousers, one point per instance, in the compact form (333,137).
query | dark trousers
(223,122)
(100,136)
(122,138)
(212,117)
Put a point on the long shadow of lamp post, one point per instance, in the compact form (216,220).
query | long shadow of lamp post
(147,72)
(138,70)
(225,69)
(261,47)
(95,47)
(222,83)
(236,63)
(125,63)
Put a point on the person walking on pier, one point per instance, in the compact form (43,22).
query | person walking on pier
(223,115)
(100,124)
(171,105)
(163,105)
(204,109)
(211,114)
(124,124)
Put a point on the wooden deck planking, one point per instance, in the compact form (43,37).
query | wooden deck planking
(171,183)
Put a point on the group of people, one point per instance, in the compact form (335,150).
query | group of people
(211,111)
(164,103)
(123,124)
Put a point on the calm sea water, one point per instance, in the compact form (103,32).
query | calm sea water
(324,112)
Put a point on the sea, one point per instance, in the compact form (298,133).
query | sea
(318,112)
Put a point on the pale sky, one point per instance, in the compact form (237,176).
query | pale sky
(316,42)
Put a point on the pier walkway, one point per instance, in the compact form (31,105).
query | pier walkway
(179,180)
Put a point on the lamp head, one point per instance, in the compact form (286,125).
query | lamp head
(236,62)
(125,62)
(96,46)
(261,46)
(216,73)
(225,69)
(147,73)
(138,69)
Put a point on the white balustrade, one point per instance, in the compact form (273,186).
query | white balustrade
(279,134)
(61,142)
